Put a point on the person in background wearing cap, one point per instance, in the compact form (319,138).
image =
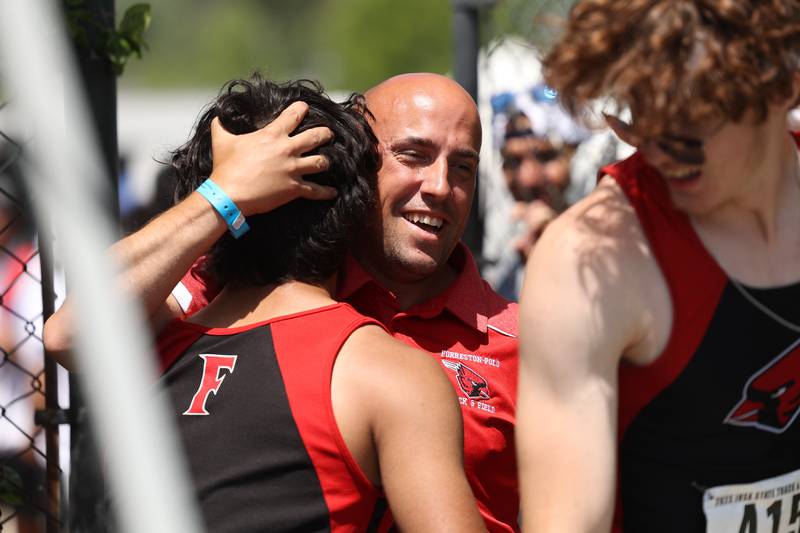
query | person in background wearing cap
(537,141)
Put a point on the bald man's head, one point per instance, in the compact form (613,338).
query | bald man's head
(429,133)
(398,92)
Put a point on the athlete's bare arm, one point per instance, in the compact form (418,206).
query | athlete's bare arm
(581,311)
(400,418)
(259,171)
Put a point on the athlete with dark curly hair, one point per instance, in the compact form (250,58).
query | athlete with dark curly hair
(297,413)
(662,392)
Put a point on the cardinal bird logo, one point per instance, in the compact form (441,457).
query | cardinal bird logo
(771,397)
(471,383)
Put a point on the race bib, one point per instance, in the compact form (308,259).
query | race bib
(768,506)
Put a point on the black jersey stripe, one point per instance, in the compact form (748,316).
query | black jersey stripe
(381,506)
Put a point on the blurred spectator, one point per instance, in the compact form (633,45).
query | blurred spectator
(21,365)
(22,380)
(534,167)
(514,98)
(548,162)
(536,141)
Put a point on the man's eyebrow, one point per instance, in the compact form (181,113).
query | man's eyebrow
(417,141)
(428,143)
(468,153)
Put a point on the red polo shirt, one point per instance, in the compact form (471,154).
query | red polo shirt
(473,332)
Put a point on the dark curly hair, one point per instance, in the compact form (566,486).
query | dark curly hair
(304,240)
(678,61)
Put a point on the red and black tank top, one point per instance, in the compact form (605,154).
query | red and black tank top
(253,406)
(720,405)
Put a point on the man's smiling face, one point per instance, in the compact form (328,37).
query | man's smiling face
(429,133)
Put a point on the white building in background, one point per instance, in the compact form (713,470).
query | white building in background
(150,124)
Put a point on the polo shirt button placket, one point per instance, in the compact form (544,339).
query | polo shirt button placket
(386,307)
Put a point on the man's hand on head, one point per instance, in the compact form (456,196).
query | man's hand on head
(264,169)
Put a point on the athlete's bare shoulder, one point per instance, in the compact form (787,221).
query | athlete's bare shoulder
(415,428)
(385,361)
(595,256)
(603,222)
(599,237)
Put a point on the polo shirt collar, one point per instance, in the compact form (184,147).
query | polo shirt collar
(465,298)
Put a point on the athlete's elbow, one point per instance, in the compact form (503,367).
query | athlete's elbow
(58,340)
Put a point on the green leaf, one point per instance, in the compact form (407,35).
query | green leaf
(119,44)
(118,49)
(135,22)
(128,39)
(10,486)
(135,49)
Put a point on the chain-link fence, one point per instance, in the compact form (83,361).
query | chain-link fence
(30,470)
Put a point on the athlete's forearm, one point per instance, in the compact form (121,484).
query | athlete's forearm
(259,171)
(155,258)
(151,262)
(566,462)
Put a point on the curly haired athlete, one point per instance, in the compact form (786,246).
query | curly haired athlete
(662,392)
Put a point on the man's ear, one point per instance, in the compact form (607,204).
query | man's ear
(623,130)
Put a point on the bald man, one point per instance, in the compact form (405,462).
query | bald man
(408,269)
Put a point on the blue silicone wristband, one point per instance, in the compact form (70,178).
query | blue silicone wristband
(225,207)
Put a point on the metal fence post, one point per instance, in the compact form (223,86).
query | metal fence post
(88,512)
(466,44)
(53,473)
